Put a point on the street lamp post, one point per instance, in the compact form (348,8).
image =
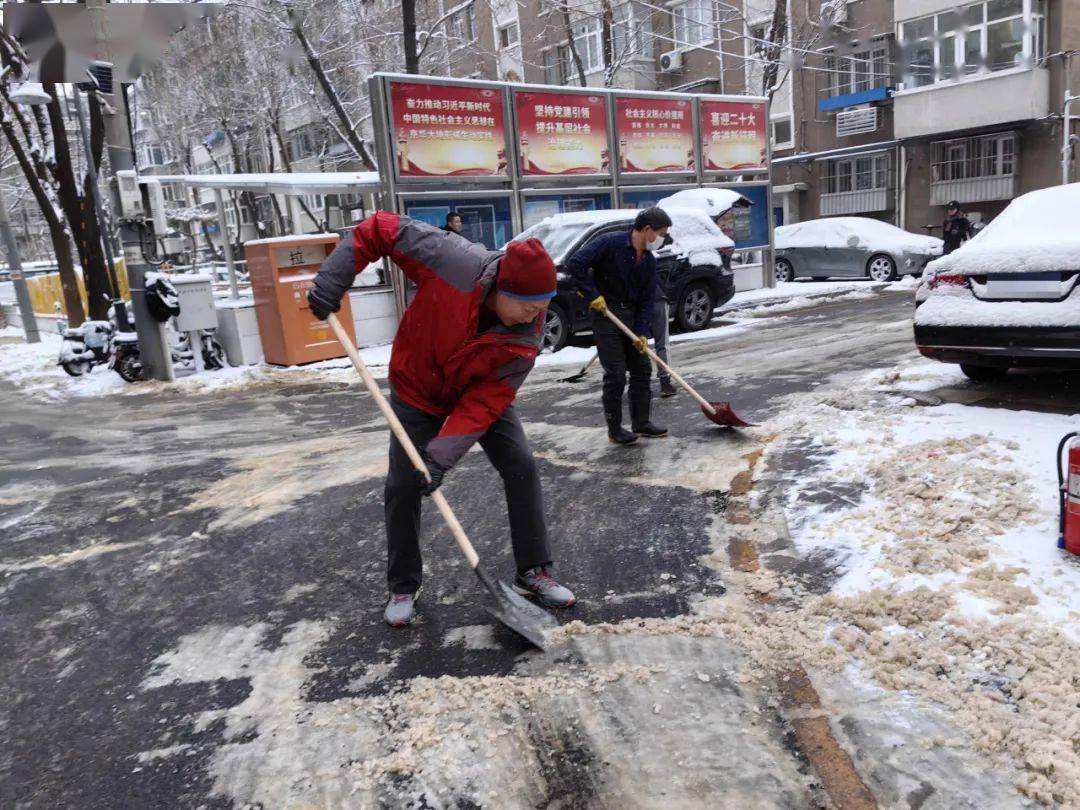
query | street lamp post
(22,293)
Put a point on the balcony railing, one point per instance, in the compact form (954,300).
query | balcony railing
(855,202)
(973,189)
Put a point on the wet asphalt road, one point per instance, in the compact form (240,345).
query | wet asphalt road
(129,523)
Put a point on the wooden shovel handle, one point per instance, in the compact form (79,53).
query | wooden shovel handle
(704,403)
(403,437)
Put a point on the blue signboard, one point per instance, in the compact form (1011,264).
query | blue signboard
(484,220)
(535,208)
(751,224)
(645,198)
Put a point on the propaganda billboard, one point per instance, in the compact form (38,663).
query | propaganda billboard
(561,134)
(733,136)
(445,130)
(655,134)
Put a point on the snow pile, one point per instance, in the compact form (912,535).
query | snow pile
(712,201)
(697,237)
(854,232)
(1035,233)
(942,524)
(957,306)
(798,302)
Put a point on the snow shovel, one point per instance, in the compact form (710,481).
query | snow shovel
(508,606)
(718,412)
(584,370)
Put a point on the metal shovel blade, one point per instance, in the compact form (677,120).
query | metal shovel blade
(576,377)
(516,612)
(724,415)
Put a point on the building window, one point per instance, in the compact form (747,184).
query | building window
(781,132)
(508,35)
(859,173)
(630,30)
(970,158)
(977,38)
(152,154)
(860,71)
(460,26)
(552,68)
(587,41)
(692,23)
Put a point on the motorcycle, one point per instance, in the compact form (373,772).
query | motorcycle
(128,364)
(86,346)
(92,343)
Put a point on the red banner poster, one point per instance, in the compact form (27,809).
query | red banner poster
(562,133)
(733,135)
(447,130)
(655,134)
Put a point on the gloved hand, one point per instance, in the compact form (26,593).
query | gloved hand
(321,307)
(641,343)
(435,470)
(598,304)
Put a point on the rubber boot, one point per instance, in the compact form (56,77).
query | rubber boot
(639,420)
(616,433)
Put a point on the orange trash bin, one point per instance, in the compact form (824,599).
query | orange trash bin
(282,270)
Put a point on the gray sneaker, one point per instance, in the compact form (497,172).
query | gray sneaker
(400,609)
(537,582)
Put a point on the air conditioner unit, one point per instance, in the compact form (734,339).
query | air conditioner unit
(857,121)
(834,12)
(670,61)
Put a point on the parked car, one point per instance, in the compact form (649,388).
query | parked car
(690,267)
(1009,296)
(851,246)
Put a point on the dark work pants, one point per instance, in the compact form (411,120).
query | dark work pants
(619,357)
(508,450)
(660,336)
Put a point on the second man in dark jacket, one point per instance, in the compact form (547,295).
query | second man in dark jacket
(618,273)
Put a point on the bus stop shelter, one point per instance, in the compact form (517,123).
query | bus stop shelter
(287,184)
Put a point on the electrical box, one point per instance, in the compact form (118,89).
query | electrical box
(196,295)
(131,203)
(282,270)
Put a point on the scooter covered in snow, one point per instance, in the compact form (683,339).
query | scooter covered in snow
(93,342)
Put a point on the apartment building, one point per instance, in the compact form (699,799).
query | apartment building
(891,109)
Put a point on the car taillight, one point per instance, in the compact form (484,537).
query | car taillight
(948,281)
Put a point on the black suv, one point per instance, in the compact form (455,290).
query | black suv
(694,290)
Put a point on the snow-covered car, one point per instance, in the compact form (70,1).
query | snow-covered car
(853,247)
(690,266)
(1009,296)
(713,201)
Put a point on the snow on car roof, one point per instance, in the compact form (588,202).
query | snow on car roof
(834,232)
(693,233)
(1035,233)
(713,201)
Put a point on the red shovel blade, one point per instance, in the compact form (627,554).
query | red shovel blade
(725,416)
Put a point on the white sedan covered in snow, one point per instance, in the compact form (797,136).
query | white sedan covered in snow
(1008,297)
(853,247)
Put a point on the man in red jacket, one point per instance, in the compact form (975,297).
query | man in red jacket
(464,346)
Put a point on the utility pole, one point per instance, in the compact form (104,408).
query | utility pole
(153,342)
(22,293)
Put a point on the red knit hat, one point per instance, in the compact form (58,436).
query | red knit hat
(527,271)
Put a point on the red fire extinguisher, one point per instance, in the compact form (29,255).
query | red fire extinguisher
(1069,493)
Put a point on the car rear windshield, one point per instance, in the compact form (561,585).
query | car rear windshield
(556,239)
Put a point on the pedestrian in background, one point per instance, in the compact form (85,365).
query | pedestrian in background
(957,228)
(453,224)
